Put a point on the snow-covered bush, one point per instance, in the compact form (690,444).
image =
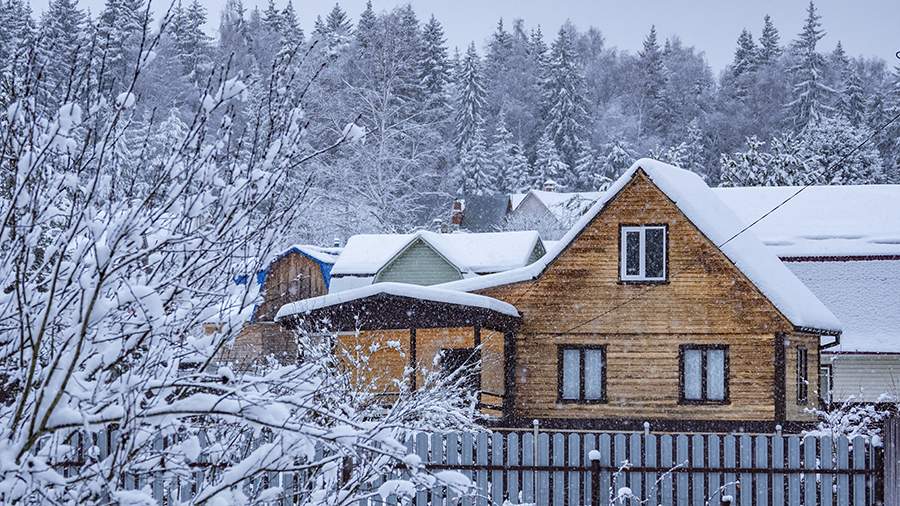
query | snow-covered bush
(851,419)
(113,254)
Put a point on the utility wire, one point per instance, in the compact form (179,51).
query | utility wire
(785,201)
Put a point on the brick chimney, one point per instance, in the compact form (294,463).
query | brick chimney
(550,185)
(459,209)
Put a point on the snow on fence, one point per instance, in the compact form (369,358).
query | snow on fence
(632,468)
(581,468)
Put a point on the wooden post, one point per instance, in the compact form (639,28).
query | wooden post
(595,477)
(891,470)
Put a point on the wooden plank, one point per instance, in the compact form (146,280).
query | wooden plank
(860,449)
(778,497)
(437,457)
(746,489)
(620,461)
(634,456)
(793,444)
(512,459)
(574,477)
(528,459)
(605,490)
(559,477)
(698,459)
(762,462)
(468,458)
(666,481)
(650,459)
(542,492)
(452,458)
(682,459)
(892,462)
(497,458)
(826,462)
(810,462)
(843,462)
(157,477)
(421,447)
(481,477)
(729,448)
(714,460)
(590,488)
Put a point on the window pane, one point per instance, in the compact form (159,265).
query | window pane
(593,374)
(655,251)
(692,372)
(715,375)
(571,378)
(633,253)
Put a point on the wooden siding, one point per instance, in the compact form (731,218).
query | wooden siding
(418,264)
(793,409)
(290,278)
(706,299)
(863,377)
(379,368)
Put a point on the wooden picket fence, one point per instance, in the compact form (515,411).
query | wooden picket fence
(587,468)
(633,468)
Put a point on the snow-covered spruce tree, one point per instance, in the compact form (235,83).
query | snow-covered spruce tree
(563,99)
(104,304)
(118,36)
(434,65)
(503,158)
(851,102)
(747,168)
(470,100)
(828,145)
(653,82)
(746,55)
(476,170)
(811,94)
(192,44)
(548,165)
(769,42)
(62,48)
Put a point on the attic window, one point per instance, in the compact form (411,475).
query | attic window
(643,253)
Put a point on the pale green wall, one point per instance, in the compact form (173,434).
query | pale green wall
(418,265)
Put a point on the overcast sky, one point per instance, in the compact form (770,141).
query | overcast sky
(865,27)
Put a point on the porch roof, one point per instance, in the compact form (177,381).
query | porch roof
(398,306)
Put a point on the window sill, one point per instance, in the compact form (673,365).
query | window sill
(569,402)
(690,402)
(643,281)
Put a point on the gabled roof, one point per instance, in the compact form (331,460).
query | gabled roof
(822,221)
(561,205)
(484,213)
(366,254)
(325,257)
(717,222)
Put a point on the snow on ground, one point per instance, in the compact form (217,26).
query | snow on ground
(400,290)
(865,296)
(719,223)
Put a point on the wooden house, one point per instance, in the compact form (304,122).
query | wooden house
(429,258)
(654,308)
(299,272)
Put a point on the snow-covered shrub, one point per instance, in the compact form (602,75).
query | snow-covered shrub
(114,252)
(851,419)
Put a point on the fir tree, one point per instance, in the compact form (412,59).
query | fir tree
(272,18)
(499,49)
(520,171)
(336,27)
(192,45)
(537,49)
(291,31)
(118,34)
(365,28)
(694,157)
(809,102)
(564,99)
(769,42)
(435,68)
(747,168)
(475,167)
(830,145)
(653,82)
(619,156)
(471,101)
(62,42)
(548,165)
(503,157)
(851,102)
(745,56)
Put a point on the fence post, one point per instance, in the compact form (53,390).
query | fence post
(891,469)
(594,455)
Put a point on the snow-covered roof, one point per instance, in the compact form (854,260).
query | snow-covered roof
(852,220)
(714,219)
(322,254)
(401,290)
(865,295)
(366,254)
(563,205)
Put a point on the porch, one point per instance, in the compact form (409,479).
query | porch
(392,331)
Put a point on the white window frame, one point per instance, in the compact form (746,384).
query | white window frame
(642,270)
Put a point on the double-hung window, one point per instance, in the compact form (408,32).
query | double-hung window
(704,374)
(643,253)
(582,374)
(802,376)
